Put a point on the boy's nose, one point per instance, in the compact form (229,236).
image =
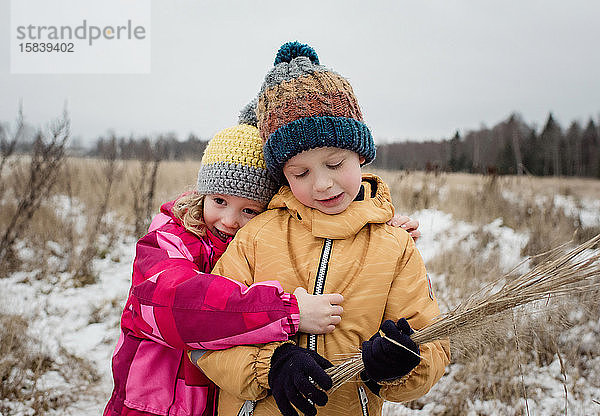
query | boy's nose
(322,182)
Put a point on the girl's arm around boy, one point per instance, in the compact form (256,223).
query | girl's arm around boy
(175,304)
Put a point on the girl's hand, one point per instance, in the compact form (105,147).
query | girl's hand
(407,223)
(319,314)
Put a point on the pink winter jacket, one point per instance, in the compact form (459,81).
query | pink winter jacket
(175,305)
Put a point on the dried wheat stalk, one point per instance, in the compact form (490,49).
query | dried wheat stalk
(561,274)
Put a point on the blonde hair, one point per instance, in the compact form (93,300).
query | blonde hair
(189,210)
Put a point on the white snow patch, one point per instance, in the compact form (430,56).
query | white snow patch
(440,232)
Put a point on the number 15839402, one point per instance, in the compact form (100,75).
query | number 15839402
(47,47)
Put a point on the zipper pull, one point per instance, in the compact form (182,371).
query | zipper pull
(364,400)
(247,409)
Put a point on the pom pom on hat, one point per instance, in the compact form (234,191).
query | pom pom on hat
(248,114)
(291,50)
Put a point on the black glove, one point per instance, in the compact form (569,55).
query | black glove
(385,360)
(371,384)
(291,367)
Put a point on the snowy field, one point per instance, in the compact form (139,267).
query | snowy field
(80,326)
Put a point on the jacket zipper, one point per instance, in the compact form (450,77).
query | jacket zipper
(320,283)
(249,406)
(318,290)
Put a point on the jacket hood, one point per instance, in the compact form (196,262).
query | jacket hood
(167,209)
(375,206)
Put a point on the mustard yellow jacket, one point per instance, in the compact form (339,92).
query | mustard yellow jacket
(375,267)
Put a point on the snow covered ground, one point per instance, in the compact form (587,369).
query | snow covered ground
(85,320)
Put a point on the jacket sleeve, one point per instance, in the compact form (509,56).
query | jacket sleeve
(241,371)
(411,297)
(176,304)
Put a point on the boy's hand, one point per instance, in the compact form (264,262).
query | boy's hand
(295,377)
(388,360)
(406,223)
(319,314)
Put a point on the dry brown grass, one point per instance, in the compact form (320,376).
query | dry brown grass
(71,225)
(527,185)
(174,178)
(473,198)
(463,272)
(523,203)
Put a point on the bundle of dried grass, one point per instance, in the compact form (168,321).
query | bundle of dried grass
(559,274)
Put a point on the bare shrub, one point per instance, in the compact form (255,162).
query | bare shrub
(83,273)
(8,144)
(33,216)
(143,186)
(32,181)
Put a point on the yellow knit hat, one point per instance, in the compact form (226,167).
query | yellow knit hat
(233,164)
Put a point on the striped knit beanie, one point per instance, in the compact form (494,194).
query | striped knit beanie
(303,105)
(233,163)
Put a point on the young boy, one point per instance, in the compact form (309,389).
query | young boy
(326,231)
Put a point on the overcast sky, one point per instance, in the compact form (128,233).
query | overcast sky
(420,69)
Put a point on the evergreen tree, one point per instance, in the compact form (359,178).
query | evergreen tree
(455,162)
(573,165)
(590,148)
(550,142)
(506,160)
(532,157)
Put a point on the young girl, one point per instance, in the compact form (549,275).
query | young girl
(175,305)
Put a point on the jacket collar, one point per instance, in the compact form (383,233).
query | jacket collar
(216,243)
(374,207)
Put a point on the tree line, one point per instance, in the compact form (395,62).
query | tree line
(510,147)
(162,148)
